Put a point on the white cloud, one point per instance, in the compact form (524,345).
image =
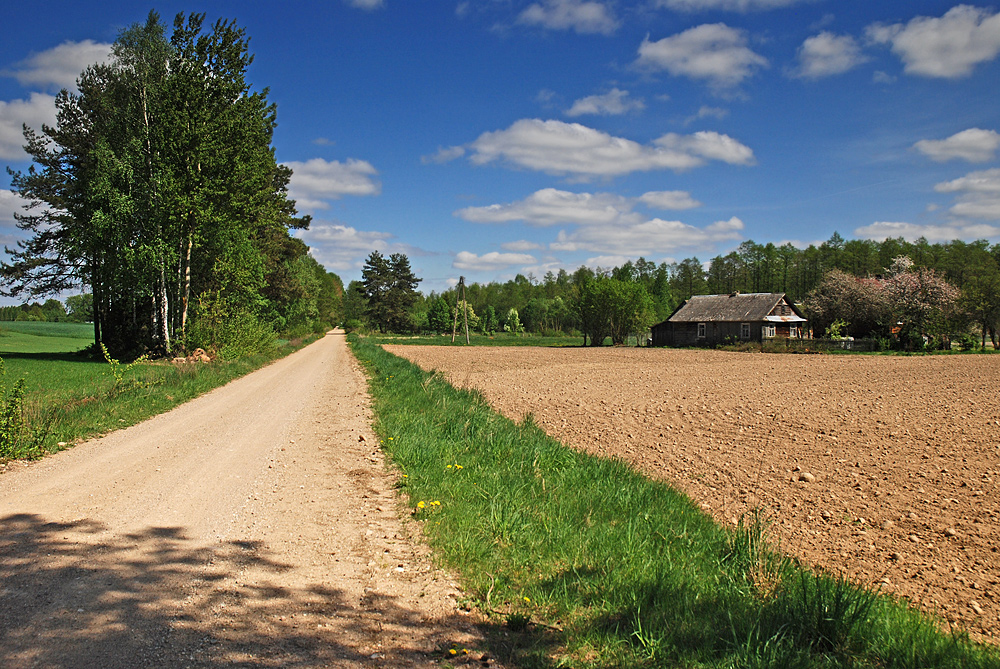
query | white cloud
(582,16)
(10,202)
(707,112)
(490,261)
(933,233)
(550,206)
(520,246)
(827,54)
(726,5)
(978,195)
(974,145)
(650,237)
(60,66)
(674,200)
(712,52)
(368,5)
(612,103)
(562,148)
(343,248)
(317,180)
(553,207)
(948,47)
(444,155)
(38,109)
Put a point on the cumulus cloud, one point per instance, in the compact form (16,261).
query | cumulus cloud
(444,155)
(974,145)
(584,17)
(978,194)
(553,207)
(317,180)
(725,5)
(712,52)
(489,261)
(562,148)
(948,47)
(648,237)
(882,230)
(613,103)
(521,246)
(707,112)
(60,66)
(827,54)
(550,206)
(33,112)
(10,202)
(367,5)
(343,248)
(673,200)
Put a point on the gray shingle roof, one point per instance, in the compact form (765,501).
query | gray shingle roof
(727,308)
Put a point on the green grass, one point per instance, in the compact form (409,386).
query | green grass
(476,339)
(582,562)
(70,396)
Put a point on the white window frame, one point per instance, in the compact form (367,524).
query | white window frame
(744,331)
(702,330)
(793,332)
(770,331)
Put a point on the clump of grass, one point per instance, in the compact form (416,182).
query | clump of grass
(598,566)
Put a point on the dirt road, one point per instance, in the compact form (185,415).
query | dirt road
(254,526)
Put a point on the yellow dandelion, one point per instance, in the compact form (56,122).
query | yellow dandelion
(421,504)
(527,600)
(453,651)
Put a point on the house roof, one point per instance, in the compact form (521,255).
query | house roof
(736,307)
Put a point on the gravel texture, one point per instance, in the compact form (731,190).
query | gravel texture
(255,526)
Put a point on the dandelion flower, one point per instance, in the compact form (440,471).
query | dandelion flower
(421,504)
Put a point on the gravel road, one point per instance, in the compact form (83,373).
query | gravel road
(255,526)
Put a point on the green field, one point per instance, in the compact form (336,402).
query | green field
(70,395)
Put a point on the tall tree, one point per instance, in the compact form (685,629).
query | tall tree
(390,288)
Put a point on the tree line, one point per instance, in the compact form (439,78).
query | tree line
(158,190)
(857,286)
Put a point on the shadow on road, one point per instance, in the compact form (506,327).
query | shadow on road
(72,595)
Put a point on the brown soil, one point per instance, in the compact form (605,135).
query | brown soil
(883,468)
(255,526)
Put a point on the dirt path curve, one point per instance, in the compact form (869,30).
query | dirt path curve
(254,526)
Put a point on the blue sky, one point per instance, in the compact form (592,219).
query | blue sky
(487,138)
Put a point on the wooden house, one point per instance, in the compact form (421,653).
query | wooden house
(707,320)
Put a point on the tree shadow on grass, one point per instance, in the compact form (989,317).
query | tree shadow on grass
(74,595)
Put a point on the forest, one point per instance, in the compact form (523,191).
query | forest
(157,192)
(948,290)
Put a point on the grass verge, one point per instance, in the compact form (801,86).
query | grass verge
(582,562)
(69,396)
(477,339)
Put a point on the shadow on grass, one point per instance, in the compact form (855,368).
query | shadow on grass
(73,356)
(72,594)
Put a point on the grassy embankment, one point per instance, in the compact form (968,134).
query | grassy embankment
(582,562)
(69,396)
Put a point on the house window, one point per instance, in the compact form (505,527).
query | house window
(793,331)
(744,331)
(701,330)
(769,331)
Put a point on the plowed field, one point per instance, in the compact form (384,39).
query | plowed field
(883,468)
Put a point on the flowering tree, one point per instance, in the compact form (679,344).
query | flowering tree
(920,299)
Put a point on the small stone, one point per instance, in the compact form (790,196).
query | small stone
(896,557)
(806,477)
(914,538)
(887,524)
(911,515)
(950,532)
(826,515)
(974,605)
